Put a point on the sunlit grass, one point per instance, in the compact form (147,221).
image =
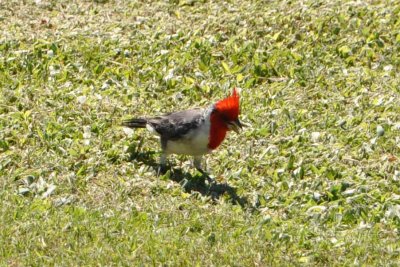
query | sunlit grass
(313,178)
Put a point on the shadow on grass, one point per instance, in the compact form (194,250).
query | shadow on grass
(196,183)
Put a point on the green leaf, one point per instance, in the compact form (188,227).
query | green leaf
(290,163)
(344,51)
(239,77)
(226,67)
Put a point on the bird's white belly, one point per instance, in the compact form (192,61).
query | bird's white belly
(194,143)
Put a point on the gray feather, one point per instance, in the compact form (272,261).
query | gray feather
(135,123)
(173,126)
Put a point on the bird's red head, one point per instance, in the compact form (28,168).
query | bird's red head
(224,117)
(229,107)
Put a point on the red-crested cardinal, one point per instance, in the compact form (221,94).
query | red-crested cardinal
(193,132)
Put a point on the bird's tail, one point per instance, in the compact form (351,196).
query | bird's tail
(135,123)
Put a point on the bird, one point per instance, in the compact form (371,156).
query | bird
(194,132)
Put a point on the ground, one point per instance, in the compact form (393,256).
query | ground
(313,178)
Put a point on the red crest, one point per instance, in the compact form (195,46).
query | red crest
(229,106)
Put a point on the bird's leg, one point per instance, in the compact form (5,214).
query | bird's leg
(162,169)
(197,165)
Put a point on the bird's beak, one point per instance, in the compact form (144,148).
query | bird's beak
(235,126)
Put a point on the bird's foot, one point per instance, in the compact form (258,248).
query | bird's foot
(198,166)
(207,176)
(161,170)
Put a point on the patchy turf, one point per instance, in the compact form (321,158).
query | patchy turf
(313,179)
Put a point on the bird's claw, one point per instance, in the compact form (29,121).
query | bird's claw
(162,169)
(207,177)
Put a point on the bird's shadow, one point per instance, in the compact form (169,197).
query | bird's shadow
(192,183)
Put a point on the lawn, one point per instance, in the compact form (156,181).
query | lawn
(314,178)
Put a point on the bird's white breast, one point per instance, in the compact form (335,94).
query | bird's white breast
(194,143)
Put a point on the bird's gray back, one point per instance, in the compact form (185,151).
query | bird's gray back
(176,125)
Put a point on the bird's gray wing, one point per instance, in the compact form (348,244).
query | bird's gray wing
(173,126)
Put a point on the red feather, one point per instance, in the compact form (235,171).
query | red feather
(218,131)
(229,106)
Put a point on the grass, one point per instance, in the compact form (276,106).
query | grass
(312,180)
